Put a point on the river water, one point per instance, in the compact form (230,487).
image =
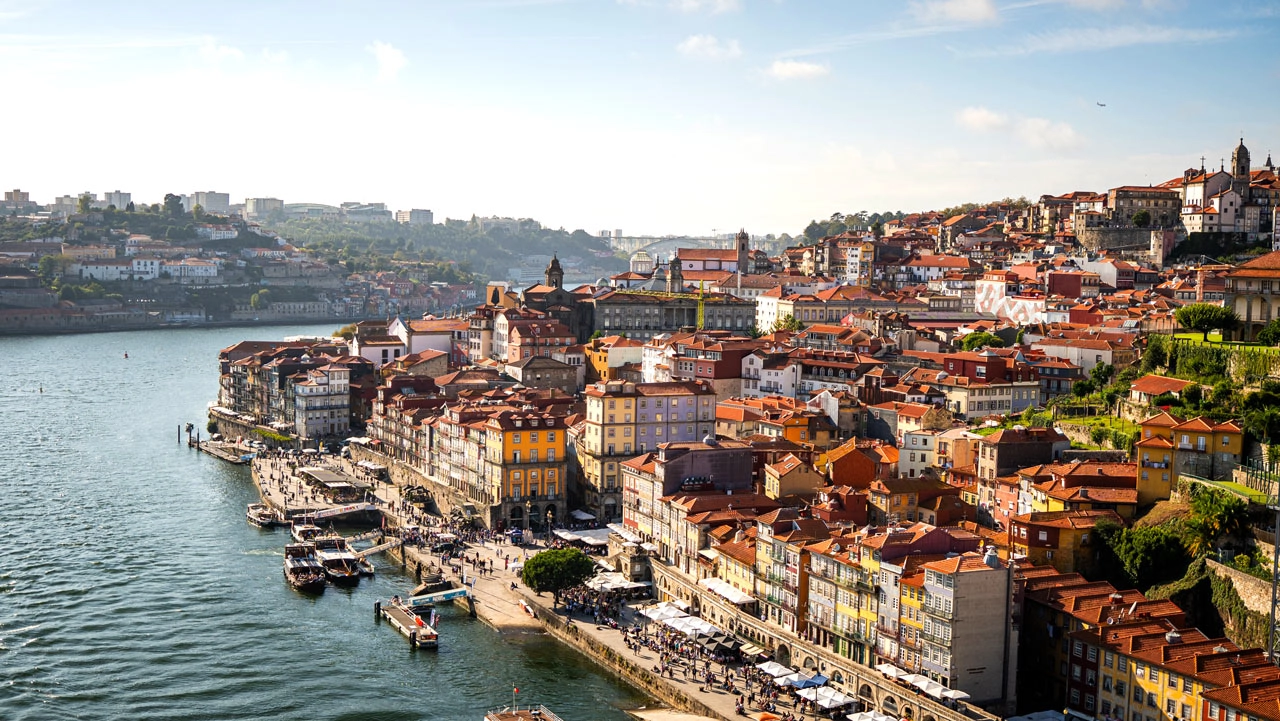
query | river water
(133,588)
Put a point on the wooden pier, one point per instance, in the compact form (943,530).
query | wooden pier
(229,452)
(409,624)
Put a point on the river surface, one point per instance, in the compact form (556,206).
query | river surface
(132,587)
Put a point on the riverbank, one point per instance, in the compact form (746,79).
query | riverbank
(497,596)
(76,324)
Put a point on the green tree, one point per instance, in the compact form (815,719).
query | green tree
(1204,317)
(197,213)
(346,332)
(787,322)
(877,230)
(1215,515)
(1022,333)
(51,268)
(173,205)
(557,570)
(1101,374)
(1141,219)
(129,208)
(981,339)
(1146,554)
(1082,388)
(1270,334)
(260,300)
(84,204)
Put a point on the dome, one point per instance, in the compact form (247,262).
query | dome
(641,255)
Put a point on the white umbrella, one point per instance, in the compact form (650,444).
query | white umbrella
(889,670)
(954,694)
(828,697)
(793,679)
(912,678)
(774,669)
(869,716)
(931,687)
(809,694)
(662,613)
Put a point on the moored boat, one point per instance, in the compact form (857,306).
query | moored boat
(301,568)
(341,566)
(263,516)
(532,712)
(305,532)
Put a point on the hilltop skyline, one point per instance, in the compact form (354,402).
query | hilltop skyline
(652,116)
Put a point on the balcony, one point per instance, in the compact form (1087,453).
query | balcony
(934,637)
(1154,464)
(940,612)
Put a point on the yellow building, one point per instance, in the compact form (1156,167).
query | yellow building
(910,620)
(525,464)
(1149,669)
(1171,447)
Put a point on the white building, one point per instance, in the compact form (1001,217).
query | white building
(322,402)
(919,451)
(210,231)
(211,202)
(262,207)
(117,198)
(415,217)
(769,374)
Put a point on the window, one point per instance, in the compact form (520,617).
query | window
(1121,688)
(1075,671)
(1093,653)
(1171,707)
(533,436)
(1106,683)
(515,437)
(1173,680)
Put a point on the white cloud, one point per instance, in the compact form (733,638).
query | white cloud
(795,69)
(981,119)
(390,60)
(1040,133)
(1044,133)
(211,51)
(1074,40)
(960,11)
(709,46)
(715,7)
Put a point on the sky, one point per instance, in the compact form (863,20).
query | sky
(649,116)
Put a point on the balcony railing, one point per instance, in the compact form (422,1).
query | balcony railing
(1154,464)
(939,611)
(934,637)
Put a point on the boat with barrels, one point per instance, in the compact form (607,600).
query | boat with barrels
(302,569)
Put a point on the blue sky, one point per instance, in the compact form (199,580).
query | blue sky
(652,116)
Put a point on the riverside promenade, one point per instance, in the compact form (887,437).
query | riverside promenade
(497,596)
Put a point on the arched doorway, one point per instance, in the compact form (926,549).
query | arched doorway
(889,705)
(517,517)
(810,664)
(535,518)
(782,655)
(865,691)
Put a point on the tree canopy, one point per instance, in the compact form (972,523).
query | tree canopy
(787,322)
(557,570)
(981,339)
(1204,317)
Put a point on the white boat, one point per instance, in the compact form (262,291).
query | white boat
(341,566)
(305,532)
(263,516)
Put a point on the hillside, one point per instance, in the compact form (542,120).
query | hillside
(489,252)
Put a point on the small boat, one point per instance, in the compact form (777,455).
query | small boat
(533,712)
(263,516)
(301,568)
(407,621)
(341,566)
(305,532)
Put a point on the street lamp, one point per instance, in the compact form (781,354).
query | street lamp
(528,509)
(550,515)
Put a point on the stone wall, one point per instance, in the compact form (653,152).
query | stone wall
(1253,591)
(1108,238)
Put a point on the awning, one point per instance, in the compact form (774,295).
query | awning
(890,670)
(662,611)
(593,537)
(582,515)
(775,669)
(752,650)
(626,533)
(727,591)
